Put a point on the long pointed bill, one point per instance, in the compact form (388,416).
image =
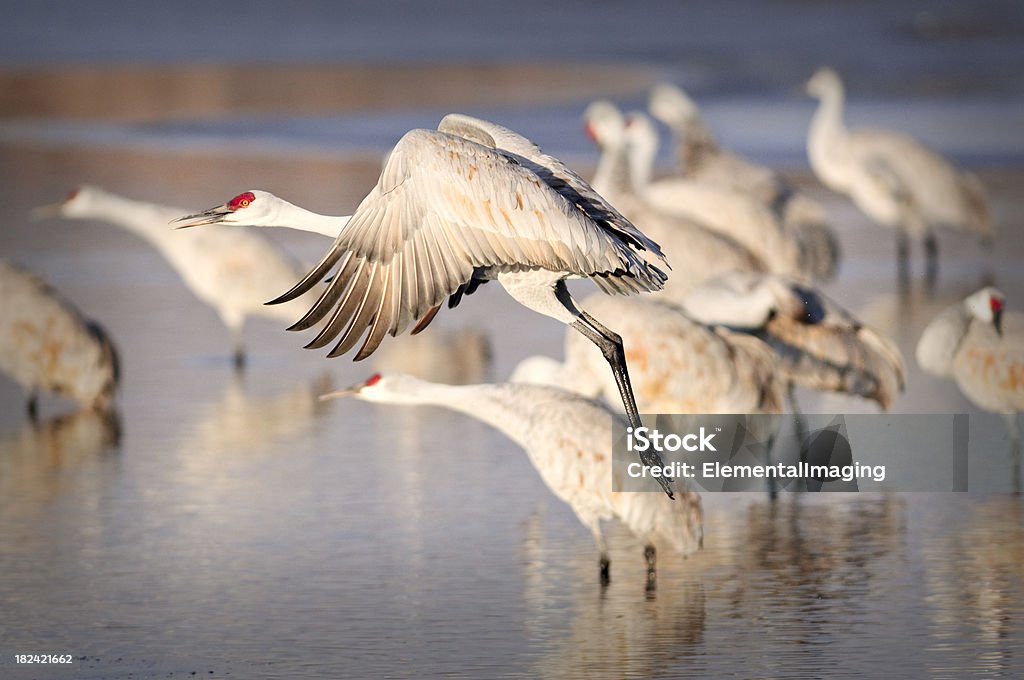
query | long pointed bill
(45,212)
(346,392)
(211,216)
(997,320)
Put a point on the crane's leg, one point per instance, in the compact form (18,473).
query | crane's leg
(650,555)
(604,563)
(32,407)
(903,259)
(610,345)
(931,254)
(1015,448)
(238,351)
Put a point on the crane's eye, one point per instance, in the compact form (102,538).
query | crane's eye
(241,201)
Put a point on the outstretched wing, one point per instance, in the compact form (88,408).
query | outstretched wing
(556,174)
(443,207)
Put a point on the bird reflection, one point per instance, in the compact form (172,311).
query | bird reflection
(33,460)
(241,422)
(623,630)
(975,600)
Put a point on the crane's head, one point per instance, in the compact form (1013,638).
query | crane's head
(987,306)
(671,105)
(251,208)
(603,123)
(79,202)
(390,388)
(824,80)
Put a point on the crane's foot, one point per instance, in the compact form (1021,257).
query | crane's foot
(32,408)
(605,565)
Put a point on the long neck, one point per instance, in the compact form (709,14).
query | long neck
(827,130)
(293,217)
(148,220)
(641,165)
(697,143)
(496,405)
(612,176)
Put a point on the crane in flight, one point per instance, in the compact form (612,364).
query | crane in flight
(455,207)
(566,437)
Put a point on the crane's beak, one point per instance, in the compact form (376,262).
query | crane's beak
(45,212)
(211,216)
(997,321)
(346,392)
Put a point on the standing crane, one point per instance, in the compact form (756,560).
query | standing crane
(893,179)
(233,270)
(697,253)
(700,157)
(818,344)
(980,346)
(455,207)
(46,344)
(566,438)
(679,365)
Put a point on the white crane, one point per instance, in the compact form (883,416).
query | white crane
(455,207)
(701,158)
(818,343)
(724,209)
(46,344)
(696,253)
(566,437)
(233,270)
(981,347)
(678,365)
(892,178)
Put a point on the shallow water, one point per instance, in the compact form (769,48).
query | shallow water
(228,526)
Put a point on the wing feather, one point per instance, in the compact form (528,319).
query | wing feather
(446,206)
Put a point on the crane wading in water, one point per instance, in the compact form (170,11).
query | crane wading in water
(565,435)
(455,207)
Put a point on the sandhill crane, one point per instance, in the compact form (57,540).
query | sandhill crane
(980,346)
(818,343)
(455,207)
(724,209)
(701,158)
(46,344)
(679,365)
(892,178)
(697,253)
(566,437)
(233,270)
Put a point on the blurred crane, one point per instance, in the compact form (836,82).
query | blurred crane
(566,438)
(46,344)
(233,271)
(892,178)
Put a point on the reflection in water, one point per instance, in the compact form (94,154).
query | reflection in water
(241,423)
(975,601)
(623,630)
(33,461)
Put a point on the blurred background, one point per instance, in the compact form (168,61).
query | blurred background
(230,525)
